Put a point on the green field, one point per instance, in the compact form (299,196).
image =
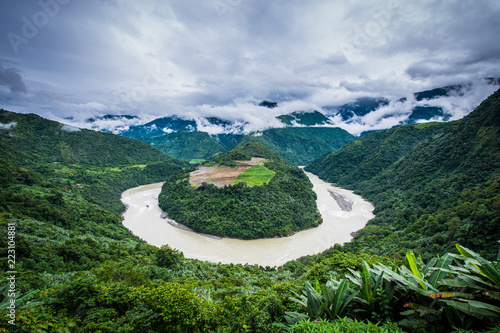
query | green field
(256,175)
(197,161)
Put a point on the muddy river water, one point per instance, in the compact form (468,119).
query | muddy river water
(143,218)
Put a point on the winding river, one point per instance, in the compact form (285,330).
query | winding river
(143,218)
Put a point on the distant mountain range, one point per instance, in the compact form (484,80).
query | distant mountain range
(302,137)
(300,141)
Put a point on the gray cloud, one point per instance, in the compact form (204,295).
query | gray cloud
(160,58)
(11,78)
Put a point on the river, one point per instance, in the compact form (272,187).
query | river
(143,218)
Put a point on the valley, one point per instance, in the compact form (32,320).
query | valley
(427,243)
(232,166)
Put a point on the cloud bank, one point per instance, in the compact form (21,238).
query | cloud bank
(71,59)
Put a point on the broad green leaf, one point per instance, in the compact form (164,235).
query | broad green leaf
(443,263)
(339,297)
(412,262)
(477,309)
(430,264)
(494,295)
(366,288)
(456,283)
(484,266)
(328,292)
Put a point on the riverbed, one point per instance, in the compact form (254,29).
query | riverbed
(143,218)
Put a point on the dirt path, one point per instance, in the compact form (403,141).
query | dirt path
(253,161)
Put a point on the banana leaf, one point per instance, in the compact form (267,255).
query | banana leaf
(477,309)
(485,267)
(366,288)
(442,265)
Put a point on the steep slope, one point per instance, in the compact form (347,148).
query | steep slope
(437,188)
(27,140)
(99,166)
(367,156)
(186,145)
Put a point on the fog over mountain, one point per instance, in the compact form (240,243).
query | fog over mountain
(71,61)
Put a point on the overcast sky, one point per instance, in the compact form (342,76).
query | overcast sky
(61,58)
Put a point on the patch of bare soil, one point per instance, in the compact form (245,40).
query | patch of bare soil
(219,176)
(253,161)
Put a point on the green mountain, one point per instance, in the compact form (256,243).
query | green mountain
(283,204)
(298,145)
(28,139)
(433,185)
(301,145)
(192,145)
(184,139)
(57,157)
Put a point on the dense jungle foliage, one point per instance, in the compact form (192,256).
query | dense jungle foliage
(433,185)
(284,205)
(79,270)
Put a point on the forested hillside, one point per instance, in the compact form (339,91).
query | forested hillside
(433,185)
(282,205)
(186,140)
(301,145)
(28,139)
(298,145)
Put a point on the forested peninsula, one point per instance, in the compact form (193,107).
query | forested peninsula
(280,206)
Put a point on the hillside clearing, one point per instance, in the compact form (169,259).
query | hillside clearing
(219,176)
(256,175)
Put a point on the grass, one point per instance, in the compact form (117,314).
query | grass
(256,175)
(424,125)
(197,161)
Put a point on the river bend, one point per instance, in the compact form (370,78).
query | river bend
(143,218)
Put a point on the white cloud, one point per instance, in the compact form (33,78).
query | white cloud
(8,126)
(70,129)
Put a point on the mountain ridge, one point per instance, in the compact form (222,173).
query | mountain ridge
(433,183)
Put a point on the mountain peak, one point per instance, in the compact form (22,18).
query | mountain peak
(305,118)
(268,104)
(487,113)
